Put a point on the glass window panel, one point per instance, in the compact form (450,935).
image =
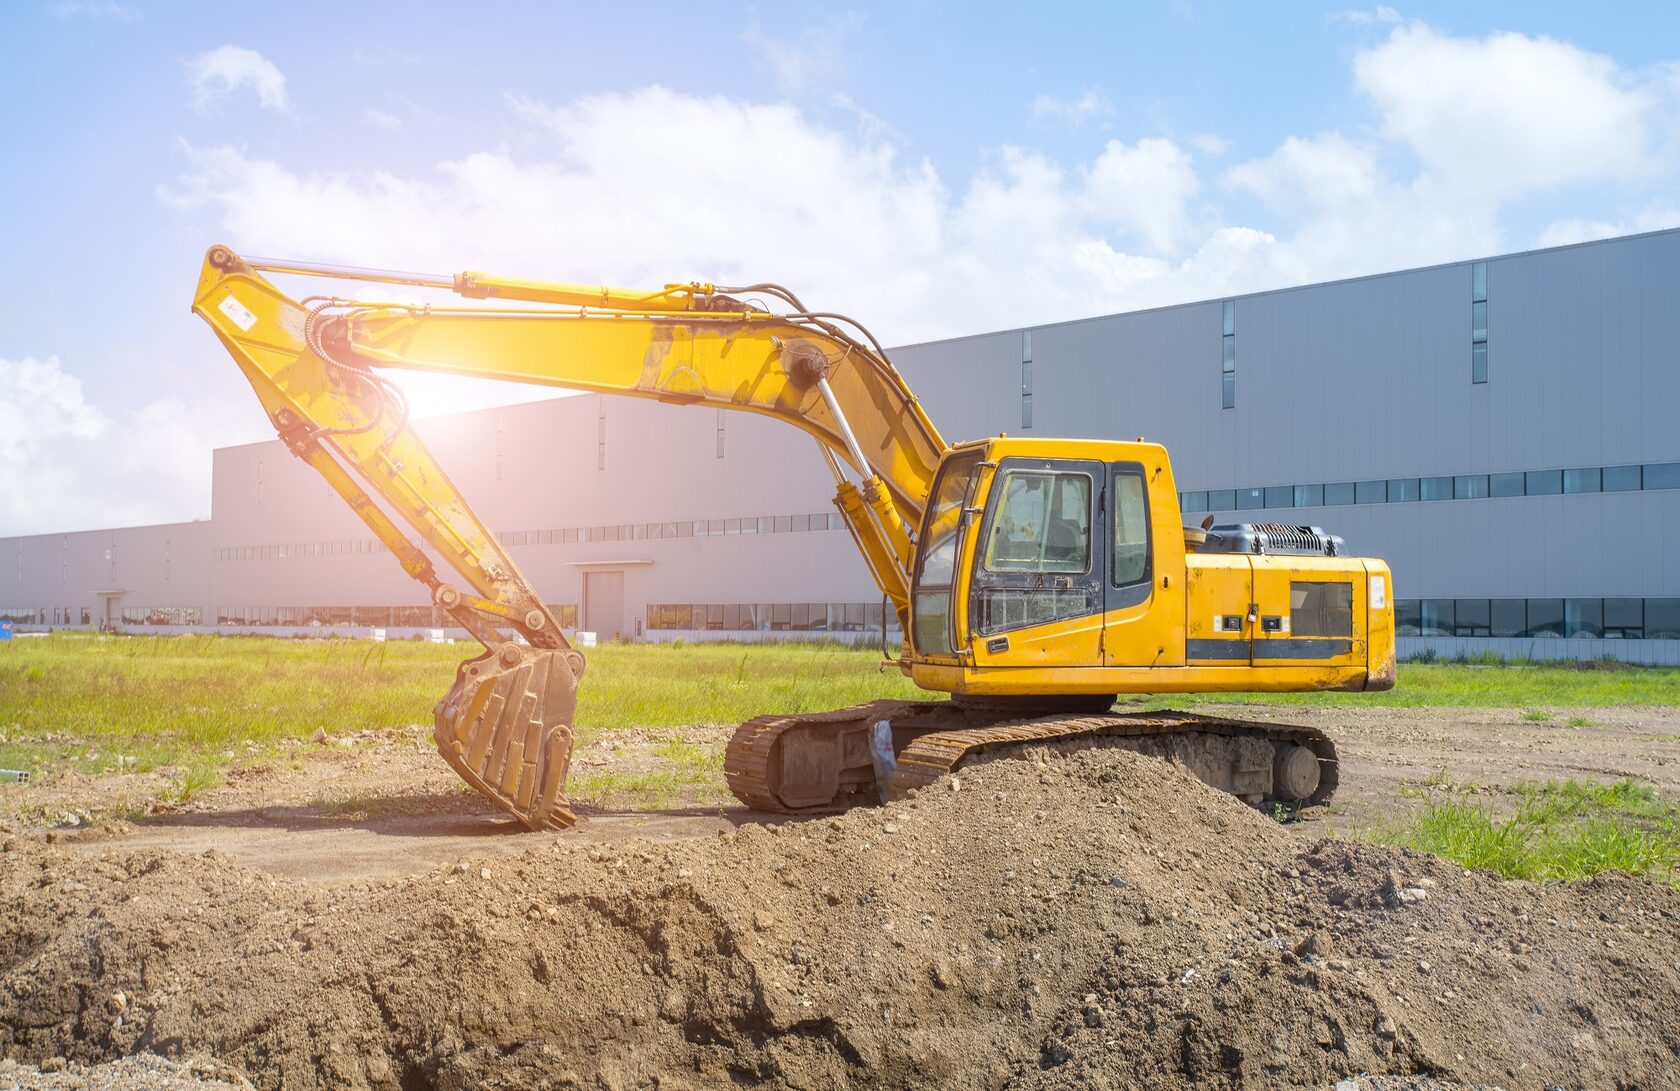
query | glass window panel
(1195,501)
(1437,617)
(1408,617)
(784,524)
(1545,618)
(1249,499)
(1222,500)
(1587,480)
(1228,314)
(1505,484)
(801,523)
(1621,478)
(1583,617)
(1026,410)
(766,524)
(1478,321)
(1309,496)
(1543,482)
(1401,489)
(1478,280)
(714,526)
(1340,492)
(1470,486)
(1510,616)
(1026,345)
(1479,362)
(1042,523)
(799,616)
(1624,618)
(1435,488)
(1662,619)
(1131,530)
(1228,354)
(1662,475)
(1371,492)
(1280,496)
(1026,377)
(684,529)
(1228,390)
(1471,617)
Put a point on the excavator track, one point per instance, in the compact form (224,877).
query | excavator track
(824,762)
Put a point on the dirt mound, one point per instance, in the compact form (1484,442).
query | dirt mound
(1052,920)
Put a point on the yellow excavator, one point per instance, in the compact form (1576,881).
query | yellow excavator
(1034,580)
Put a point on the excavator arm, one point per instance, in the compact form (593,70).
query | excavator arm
(319,367)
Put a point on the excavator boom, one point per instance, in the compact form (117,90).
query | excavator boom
(318,364)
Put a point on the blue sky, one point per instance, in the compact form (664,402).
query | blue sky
(932,169)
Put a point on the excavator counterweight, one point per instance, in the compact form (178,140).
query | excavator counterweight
(1033,579)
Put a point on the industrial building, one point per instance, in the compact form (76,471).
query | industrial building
(1500,431)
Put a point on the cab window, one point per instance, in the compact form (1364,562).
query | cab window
(1042,524)
(1131,529)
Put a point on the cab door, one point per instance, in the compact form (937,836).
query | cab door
(1142,628)
(1037,592)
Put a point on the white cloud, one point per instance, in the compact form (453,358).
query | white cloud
(1654,217)
(1508,114)
(1210,145)
(814,57)
(1144,189)
(1324,171)
(66,463)
(99,11)
(379,119)
(1073,111)
(219,73)
(1381,15)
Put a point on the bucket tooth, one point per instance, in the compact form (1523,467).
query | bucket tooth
(506,728)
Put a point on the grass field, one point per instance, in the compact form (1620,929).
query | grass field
(162,700)
(1569,830)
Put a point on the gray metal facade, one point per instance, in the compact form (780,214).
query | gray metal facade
(1366,380)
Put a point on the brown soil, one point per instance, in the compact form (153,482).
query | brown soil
(1052,920)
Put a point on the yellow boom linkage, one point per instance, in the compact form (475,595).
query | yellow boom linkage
(506,724)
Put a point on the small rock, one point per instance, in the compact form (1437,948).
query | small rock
(1385,1027)
(461,868)
(1093,1016)
(1316,945)
(956,784)
(1423,967)
(320,735)
(763,921)
(119,1001)
(942,976)
(484,873)
(890,827)
(54,1064)
(1055,1052)
(1413,894)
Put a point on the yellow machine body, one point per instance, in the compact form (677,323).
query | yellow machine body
(1019,569)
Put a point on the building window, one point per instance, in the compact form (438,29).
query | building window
(1621,478)
(1371,492)
(1339,493)
(1470,486)
(1478,323)
(1280,496)
(1408,617)
(1249,499)
(1309,496)
(1435,488)
(1510,617)
(1581,480)
(1663,475)
(1624,619)
(1662,619)
(1543,482)
(1194,502)
(1471,618)
(1228,356)
(1505,484)
(1437,617)
(1545,618)
(720,413)
(1026,379)
(1583,617)
(1402,489)
(601,437)
(1222,500)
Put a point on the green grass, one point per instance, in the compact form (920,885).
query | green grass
(1569,830)
(73,700)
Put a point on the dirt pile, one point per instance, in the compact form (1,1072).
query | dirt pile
(1052,920)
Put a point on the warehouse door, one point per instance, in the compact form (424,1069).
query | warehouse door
(603,604)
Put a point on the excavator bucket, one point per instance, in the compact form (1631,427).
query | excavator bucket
(506,728)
